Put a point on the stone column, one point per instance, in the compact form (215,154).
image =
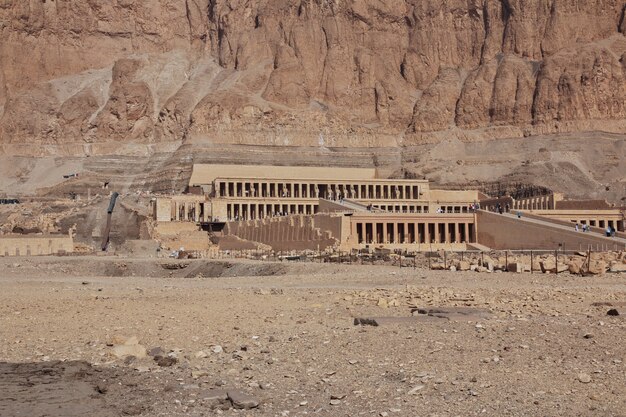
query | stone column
(386,238)
(353,235)
(396,234)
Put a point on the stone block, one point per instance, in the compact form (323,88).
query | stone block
(516,267)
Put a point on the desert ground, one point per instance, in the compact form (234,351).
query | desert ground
(112,336)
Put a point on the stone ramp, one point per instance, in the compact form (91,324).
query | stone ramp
(506,231)
(354,205)
(564,226)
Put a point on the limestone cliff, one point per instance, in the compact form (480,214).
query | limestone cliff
(91,75)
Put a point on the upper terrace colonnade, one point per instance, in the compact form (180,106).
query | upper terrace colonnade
(259,181)
(315,189)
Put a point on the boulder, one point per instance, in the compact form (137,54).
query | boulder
(597,267)
(126,347)
(547,265)
(574,267)
(242,400)
(463,266)
(619,267)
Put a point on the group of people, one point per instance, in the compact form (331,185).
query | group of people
(473,207)
(584,227)
(501,210)
(609,232)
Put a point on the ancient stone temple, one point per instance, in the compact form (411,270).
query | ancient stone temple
(298,208)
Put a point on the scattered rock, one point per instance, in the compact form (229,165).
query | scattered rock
(584,378)
(415,389)
(242,400)
(130,347)
(199,374)
(214,394)
(612,312)
(156,351)
(201,354)
(165,361)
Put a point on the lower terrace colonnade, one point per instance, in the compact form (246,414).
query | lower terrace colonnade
(413,232)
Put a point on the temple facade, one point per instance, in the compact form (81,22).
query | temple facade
(222,193)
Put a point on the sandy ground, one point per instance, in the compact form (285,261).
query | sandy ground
(284,334)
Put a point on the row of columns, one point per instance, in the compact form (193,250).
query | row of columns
(286,189)
(193,211)
(544,202)
(384,232)
(252,211)
(421,209)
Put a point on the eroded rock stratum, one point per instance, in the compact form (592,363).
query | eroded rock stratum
(84,75)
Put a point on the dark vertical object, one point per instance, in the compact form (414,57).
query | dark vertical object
(531,262)
(107,229)
(556,262)
(506,261)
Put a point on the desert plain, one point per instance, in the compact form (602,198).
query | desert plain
(113,336)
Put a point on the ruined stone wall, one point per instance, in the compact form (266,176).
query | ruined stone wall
(23,245)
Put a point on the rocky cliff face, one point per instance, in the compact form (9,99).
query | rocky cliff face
(92,75)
